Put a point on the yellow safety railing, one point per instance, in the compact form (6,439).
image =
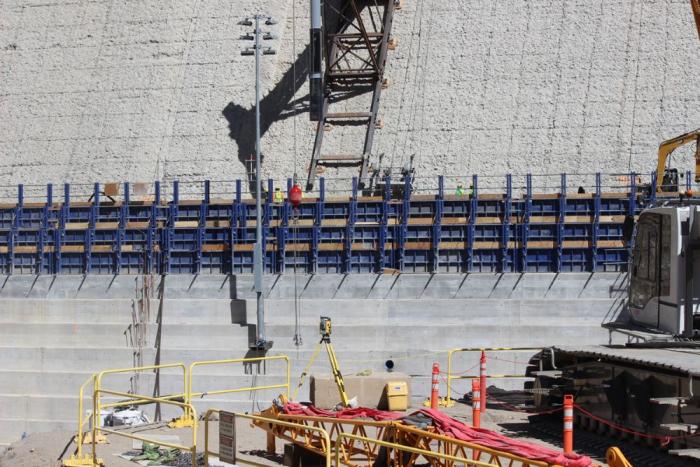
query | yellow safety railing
(271,421)
(99,406)
(451,376)
(77,458)
(186,396)
(400,447)
(191,394)
(138,399)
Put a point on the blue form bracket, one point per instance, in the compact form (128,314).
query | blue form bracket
(437,225)
(233,229)
(473,211)
(525,229)
(596,223)
(383,226)
(16,223)
(123,221)
(561,219)
(318,221)
(90,232)
(350,227)
(405,215)
(44,232)
(505,225)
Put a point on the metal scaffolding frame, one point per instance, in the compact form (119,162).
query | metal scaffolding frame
(357,36)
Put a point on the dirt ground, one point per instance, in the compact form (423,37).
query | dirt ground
(47,449)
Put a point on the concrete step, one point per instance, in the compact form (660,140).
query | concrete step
(123,335)
(93,311)
(65,310)
(382,286)
(442,312)
(35,383)
(66,407)
(64,334)
(470,333)
(430,286)
(94,359)
(88,359)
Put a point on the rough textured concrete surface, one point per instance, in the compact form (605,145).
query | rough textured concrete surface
(112,90)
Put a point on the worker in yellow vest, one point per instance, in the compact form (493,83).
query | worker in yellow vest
(278,196)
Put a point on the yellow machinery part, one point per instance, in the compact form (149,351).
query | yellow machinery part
(615,458)
(668,146)
(337,375)
(75,461)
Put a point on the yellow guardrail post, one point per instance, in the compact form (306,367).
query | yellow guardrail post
(78,459)
(448,398)
(272,421)
(401,447)
(143,399)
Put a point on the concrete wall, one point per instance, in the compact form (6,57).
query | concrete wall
(152,89)
(54,332)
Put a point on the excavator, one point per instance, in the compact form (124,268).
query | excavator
(667,177)
(648,386)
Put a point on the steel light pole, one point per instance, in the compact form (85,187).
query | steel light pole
(261,342)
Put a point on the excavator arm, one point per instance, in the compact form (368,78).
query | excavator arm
(668,146)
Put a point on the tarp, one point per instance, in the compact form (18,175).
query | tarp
(454,428)
(490,439)
(294,408)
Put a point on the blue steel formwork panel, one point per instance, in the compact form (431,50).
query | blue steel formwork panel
(464,232)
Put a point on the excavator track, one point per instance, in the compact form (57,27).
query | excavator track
(646,391)
(594,444)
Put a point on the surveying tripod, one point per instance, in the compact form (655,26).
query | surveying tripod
(325,330)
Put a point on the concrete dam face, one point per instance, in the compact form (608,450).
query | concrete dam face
(157,90)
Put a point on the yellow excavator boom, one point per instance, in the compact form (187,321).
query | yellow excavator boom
(668,146)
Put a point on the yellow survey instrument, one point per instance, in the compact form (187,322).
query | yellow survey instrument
(325,329)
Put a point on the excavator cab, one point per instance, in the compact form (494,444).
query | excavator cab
(665,254)
(669,183)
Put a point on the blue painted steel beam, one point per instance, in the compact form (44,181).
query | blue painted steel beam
(471,223)
(437,225)
(505,225)
(170,249)
(596,223)
(525,228)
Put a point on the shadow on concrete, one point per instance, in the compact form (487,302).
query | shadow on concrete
(278,104)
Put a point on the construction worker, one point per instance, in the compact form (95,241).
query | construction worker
(460,190)
(278,196)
